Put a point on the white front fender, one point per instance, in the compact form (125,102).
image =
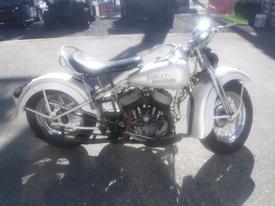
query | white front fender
(62,82)
(204,96)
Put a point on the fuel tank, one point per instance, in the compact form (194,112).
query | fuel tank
(164,74)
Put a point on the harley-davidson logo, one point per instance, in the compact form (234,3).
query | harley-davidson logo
(160,78)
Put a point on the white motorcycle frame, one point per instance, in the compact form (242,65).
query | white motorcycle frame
(204,96)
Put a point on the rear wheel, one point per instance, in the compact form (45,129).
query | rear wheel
(229,136)
(47,130)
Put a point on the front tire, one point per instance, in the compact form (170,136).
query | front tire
(218,141)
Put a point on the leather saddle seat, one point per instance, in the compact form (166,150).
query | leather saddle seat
(85,64)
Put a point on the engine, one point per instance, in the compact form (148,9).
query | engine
(136,97)
(147,112)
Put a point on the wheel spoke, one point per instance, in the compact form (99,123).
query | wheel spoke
(47,103)
(228,131)
(56,103)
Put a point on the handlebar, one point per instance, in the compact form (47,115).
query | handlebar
(204,38)
(226,26)
(159,46)
(221,28)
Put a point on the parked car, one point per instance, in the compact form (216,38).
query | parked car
(132,10)
(20,12)
(81,11)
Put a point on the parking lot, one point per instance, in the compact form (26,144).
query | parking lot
(33,173)
(102,26)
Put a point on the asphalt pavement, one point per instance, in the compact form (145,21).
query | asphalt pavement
(33,173)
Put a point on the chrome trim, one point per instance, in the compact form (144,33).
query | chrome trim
(220,91)
(38,113)
(234,115)
(205,64)
(229,131)
(140,136)
(73,127)
(47,102)
(72,110)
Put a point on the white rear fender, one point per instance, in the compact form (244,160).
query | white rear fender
(204,96)
(61,82)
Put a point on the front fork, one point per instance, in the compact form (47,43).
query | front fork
(220,91)
(205,64)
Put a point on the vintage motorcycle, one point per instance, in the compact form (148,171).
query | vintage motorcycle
(142,103)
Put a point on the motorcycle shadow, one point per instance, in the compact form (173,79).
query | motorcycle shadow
(127,175)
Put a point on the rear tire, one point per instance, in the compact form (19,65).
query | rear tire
(56,140)
(38,132)
(223,146)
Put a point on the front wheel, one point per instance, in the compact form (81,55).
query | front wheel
(227,136)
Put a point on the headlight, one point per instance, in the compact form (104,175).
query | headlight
(204,36)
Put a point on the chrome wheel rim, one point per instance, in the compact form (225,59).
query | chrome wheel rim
(59,103)
(229,131)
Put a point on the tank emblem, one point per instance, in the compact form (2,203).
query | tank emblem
(160,78)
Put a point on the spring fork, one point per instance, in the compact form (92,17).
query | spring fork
(204,62)
(220,91)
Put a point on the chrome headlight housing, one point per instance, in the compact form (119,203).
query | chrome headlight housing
(202,32)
